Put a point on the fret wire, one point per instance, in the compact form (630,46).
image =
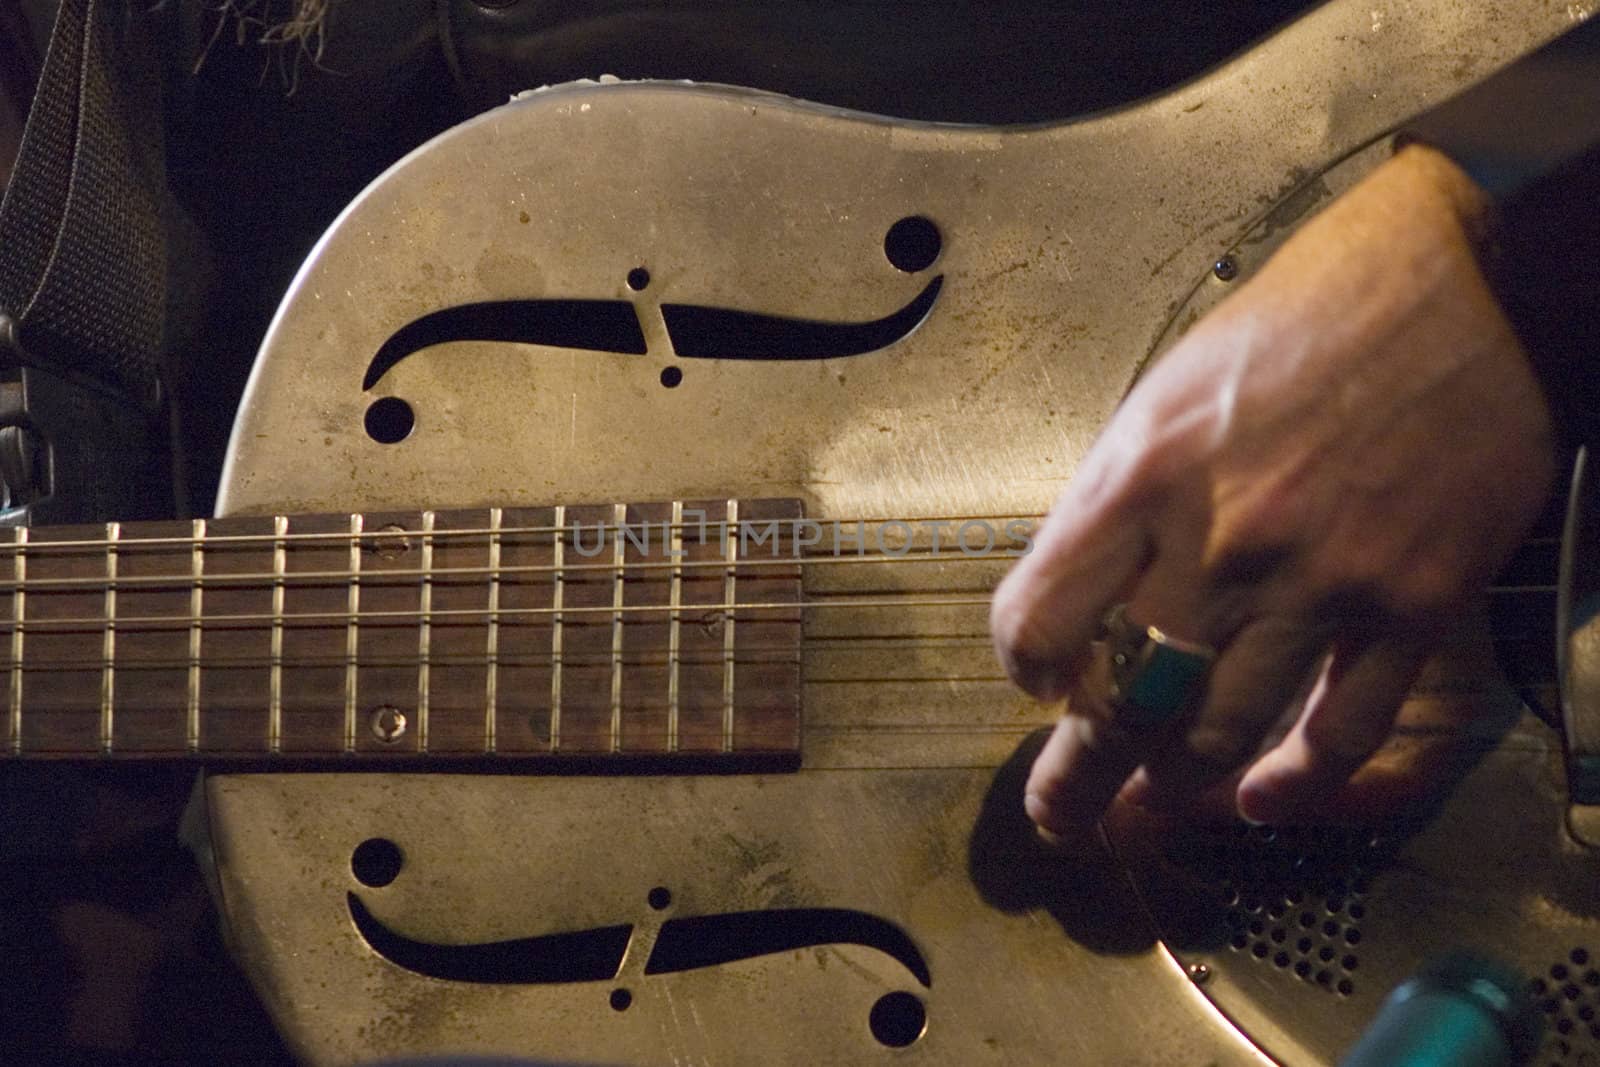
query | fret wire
(675,600)
(491,642)
(471,615)
(310,577)
(728,595)
(280,560)
(352,632)
(197,566)
(557,597)
(254,540)
(1471,743)
(108,652)
(424,631)
(619,553)
(18,612)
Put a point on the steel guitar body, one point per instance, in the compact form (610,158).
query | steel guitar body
(642,294)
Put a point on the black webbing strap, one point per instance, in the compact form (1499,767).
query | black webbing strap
(83,259)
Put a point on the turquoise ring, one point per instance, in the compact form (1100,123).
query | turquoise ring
(1154,676)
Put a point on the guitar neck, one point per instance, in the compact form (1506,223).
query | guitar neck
(605,630)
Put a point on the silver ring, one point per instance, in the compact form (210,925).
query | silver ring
(1153,676)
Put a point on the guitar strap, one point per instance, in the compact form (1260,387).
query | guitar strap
(83,247)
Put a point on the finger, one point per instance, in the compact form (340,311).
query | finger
(1258,675)
(1346,720)
(1051,605)
(1438,736)
(1213,805)
(1083,764)
(1217,802)
(1099,743)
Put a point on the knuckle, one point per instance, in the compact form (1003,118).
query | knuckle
(1253,542)
(1368,585)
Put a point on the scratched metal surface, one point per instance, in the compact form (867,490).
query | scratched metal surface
(1067,253)
(1066,250)
(1302,933)
(1030,962)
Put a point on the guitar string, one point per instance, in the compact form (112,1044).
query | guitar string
(247,620)
(381,578)
(396,580)
(378,578)
(648,656)
(387,579)
(641,657)
(310,620)
(635,658)
(337,537)
(322,619)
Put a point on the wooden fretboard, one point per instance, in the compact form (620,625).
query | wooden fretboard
(626,629)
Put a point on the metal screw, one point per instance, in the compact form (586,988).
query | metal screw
(1199,973)
(1226,269)
(388,723)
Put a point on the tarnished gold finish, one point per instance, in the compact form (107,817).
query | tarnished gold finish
(1066,253)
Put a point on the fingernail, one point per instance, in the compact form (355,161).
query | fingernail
(1041,681)
(1137,790)
(1058,832)
(1044,817)
(1256,806)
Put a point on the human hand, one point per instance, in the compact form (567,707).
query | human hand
(1315,482)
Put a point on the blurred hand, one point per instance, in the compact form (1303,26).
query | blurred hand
(1315,481)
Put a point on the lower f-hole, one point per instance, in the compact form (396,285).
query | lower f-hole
(711,940)
(898,1019)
